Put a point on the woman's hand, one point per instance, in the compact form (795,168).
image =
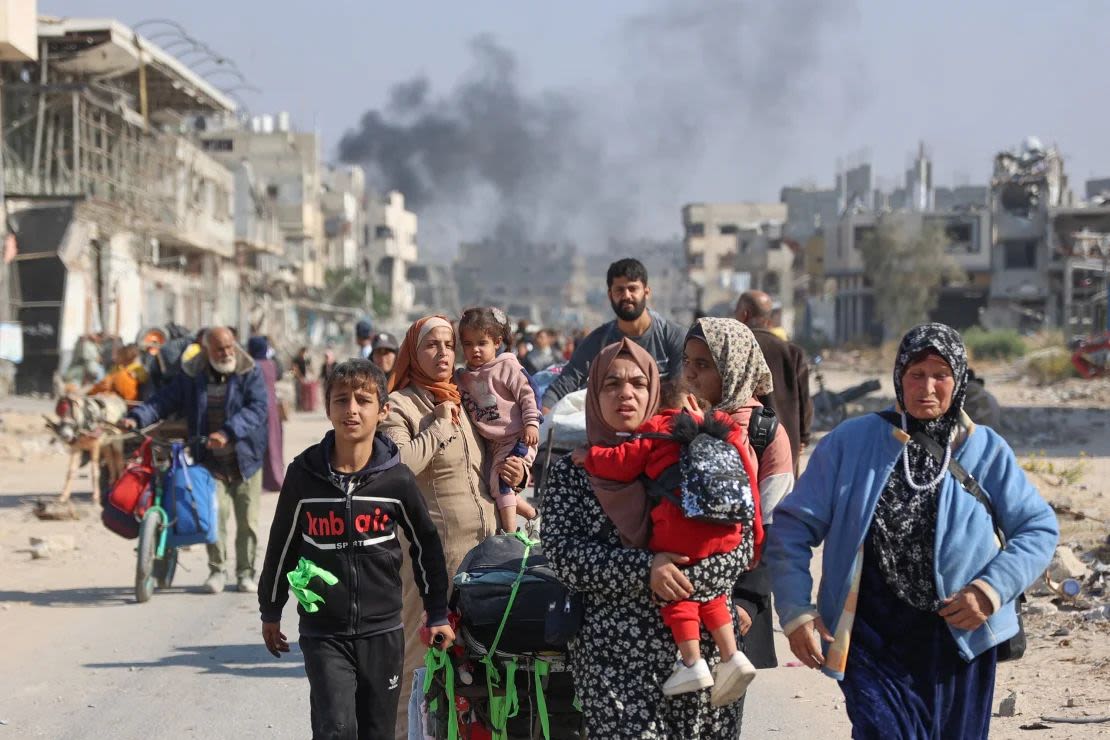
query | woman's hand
(446,410)
(744,620)
(667,581)
(805,645)
(968,609)
(511,470)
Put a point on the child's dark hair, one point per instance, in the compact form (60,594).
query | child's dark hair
(490,321)
(356,374)
(628,268)
(672,394)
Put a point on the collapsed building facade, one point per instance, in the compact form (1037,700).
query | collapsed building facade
(1032,255)
(137,194)
(1051,256)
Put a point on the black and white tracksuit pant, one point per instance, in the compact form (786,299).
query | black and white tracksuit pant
(354,684)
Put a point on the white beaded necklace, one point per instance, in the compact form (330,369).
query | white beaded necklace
(943,466)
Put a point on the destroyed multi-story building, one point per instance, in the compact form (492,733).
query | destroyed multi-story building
(391,251)
(961,214)
(1050,263)
(344,205)
(733,247)
(118,219)
(137,195)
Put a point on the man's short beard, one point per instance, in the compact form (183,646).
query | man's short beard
(629,314)
(224,367)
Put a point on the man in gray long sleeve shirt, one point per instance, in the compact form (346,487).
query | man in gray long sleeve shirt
(628,294)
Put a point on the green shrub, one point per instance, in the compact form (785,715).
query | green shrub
(1050,366)
(1004,344)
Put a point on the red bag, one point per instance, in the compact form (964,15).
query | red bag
(130,495)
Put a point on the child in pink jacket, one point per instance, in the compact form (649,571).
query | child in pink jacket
(500,402)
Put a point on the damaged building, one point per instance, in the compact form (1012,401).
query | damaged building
(119,220)
(734,247)
(1050,262)
(138,194)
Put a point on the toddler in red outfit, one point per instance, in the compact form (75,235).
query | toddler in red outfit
(673,532)
(500,402)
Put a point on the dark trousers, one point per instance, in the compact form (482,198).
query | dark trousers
(354,685)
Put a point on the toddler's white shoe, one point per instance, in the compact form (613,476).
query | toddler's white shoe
(684,678)
(731,679)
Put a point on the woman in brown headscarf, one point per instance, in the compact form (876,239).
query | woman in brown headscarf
(623,652)
(447,457)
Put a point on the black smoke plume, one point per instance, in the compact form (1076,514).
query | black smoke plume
(698,84)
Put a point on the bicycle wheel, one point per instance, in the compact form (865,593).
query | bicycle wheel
(149,530)
(165,568)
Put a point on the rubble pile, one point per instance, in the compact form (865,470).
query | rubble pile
(1074,589)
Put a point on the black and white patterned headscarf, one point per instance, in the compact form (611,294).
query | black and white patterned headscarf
(903,530)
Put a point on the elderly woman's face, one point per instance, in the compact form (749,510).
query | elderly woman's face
(927,388)
(624,395)
(700,371)
(436,354)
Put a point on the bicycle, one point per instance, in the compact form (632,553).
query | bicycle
(156,561)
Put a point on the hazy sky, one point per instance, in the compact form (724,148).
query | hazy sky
(675,101)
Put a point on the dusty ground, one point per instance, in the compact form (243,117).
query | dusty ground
(83,660)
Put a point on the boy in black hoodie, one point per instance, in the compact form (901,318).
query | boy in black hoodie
(334,542)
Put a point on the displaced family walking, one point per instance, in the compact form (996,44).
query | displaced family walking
(660,539)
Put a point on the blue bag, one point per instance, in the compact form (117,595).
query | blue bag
(190,500)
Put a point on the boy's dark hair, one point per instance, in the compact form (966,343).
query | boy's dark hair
(357,374)
(628,268)
(491,322)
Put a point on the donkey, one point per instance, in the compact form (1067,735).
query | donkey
(84,424)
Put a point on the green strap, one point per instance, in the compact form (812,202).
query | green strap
(541,668)
(504,707)
(436,660)
(528,545)
(299,579)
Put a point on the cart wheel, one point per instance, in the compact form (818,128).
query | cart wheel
(144,564)
(165,568)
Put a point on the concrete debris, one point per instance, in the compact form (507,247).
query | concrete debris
(1008,707)
(1041,608)
(1098,614)
(44,547)
(1066,565)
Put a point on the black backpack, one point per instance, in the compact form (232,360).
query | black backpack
(762,426)
(509,599)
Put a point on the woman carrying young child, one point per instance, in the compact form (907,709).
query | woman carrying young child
(500,402)
(623,652)
(651,452)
